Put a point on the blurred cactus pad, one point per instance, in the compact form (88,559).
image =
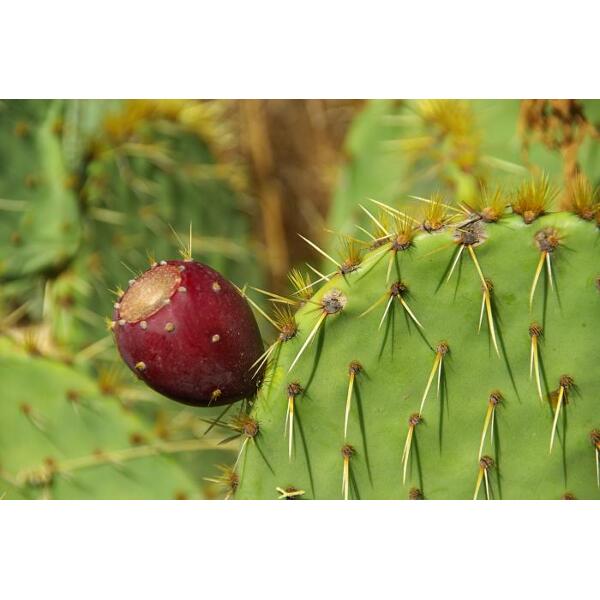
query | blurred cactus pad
(440,343)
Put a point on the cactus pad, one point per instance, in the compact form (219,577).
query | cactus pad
(462,362)
(62,438)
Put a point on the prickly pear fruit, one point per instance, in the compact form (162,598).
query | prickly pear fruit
(189,334)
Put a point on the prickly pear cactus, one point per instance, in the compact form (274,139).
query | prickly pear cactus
(452,355)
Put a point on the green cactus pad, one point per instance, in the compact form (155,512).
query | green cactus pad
(61,438)
(397,359)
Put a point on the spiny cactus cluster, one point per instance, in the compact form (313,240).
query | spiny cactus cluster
(446,352)
(465,304)
(451,355)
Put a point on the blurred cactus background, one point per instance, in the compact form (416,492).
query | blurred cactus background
(91,191)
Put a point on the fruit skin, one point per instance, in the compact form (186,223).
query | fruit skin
(200,346)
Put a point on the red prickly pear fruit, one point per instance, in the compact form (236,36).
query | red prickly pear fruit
(188,333)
